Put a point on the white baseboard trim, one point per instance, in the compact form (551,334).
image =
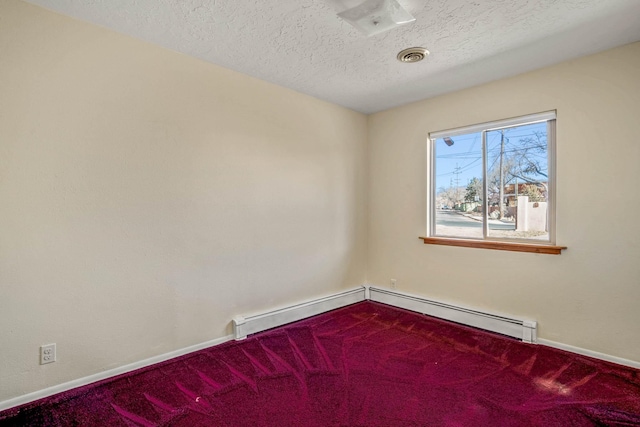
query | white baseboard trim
(247,325)
(243,326)
(526,330)
(590,353)
(50,391)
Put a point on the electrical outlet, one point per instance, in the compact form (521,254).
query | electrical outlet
(47,353)
(393,283)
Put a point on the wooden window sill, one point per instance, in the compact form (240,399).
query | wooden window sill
(501,246)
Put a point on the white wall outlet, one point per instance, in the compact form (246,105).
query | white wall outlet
(393,283)
(47,353)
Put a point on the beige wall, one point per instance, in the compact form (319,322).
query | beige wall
(587,297)
(147,197)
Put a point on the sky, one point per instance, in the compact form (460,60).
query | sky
(456,165)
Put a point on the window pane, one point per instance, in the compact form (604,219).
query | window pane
(517,182)
(458,191)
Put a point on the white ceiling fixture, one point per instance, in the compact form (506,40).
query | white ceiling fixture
(304,46)
(373,17)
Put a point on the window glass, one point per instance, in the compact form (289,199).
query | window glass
(459,195)
(494,182)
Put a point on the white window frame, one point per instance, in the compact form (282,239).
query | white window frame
(550,118)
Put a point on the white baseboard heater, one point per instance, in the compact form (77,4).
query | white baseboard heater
(243,326)
(526,330)
(521,329)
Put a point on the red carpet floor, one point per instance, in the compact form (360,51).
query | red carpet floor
(364,365)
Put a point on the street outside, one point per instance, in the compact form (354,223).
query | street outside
(455,224)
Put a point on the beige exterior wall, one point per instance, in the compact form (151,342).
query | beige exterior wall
(147,197)
(587,297)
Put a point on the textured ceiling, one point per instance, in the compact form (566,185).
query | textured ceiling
(305,46)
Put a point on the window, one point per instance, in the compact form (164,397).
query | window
(494,182)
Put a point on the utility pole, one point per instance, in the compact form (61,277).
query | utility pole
(501,201)
(457,172)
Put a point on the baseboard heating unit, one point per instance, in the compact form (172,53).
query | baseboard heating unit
(521,329)
(243,326)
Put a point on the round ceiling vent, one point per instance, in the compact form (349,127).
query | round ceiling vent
(413,54)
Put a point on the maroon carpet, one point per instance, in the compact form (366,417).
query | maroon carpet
(363,365)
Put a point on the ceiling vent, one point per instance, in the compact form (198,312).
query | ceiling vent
(413,54)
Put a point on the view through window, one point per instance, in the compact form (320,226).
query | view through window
(494,181)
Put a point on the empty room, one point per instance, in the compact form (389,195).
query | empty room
(319,213)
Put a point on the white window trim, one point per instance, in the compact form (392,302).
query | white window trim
(498,124)
(487,241)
